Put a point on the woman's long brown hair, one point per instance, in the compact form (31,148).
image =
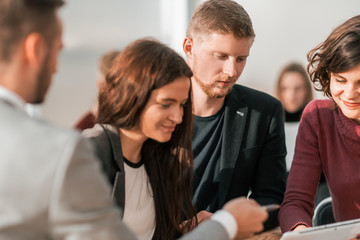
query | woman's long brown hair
(140,68)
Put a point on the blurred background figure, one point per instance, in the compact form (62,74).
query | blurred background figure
(294,91)
(88,119)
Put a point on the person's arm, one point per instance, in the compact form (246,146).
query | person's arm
(297,209)
(80,204)
(356,237)
(270,177)
(209,230)
(200,216)
(239,218)
(300,227)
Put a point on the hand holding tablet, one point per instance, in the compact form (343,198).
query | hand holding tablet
(346,230)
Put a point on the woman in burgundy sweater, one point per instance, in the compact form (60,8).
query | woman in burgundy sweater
(328,139)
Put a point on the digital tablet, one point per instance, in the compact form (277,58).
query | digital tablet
(334,231)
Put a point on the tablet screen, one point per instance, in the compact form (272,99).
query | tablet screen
(335,231)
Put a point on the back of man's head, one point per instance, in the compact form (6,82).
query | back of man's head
(221,16)
(18,18)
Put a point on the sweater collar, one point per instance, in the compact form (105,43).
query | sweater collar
(349,128)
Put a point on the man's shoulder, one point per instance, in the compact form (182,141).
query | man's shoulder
(29,134)
(252,97)
(99,131)
(50,133)
(38,146)
(93,132)
(103,137)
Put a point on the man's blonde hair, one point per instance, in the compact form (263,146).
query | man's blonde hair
(221,16)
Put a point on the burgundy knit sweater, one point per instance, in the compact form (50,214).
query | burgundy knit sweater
(328,141)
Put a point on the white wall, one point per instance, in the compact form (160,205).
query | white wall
(285,30)
(90,29)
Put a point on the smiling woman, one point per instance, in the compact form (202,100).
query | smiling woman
(329,133)
(145,128)
(345,90)
(164,110)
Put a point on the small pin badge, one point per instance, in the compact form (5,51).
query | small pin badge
(240,113)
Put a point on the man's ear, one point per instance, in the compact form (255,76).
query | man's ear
(188,47)
(34,49)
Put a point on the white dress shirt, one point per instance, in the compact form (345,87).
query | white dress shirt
(12,98)
(227,221)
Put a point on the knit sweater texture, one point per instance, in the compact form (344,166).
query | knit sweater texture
(329,141)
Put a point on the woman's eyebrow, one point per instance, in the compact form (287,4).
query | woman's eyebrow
(168,99)
(338,75)
(173,100)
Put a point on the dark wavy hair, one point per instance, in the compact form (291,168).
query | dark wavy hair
(340,52)
(297,68)
(143,66)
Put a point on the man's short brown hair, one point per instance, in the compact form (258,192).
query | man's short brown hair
(221,16)
(18,18)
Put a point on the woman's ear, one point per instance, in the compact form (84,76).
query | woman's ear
(34,49)
(188,47)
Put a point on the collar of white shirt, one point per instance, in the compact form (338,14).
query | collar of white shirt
(12,98)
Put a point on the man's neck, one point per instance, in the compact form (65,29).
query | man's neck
(203,105)
(15,79)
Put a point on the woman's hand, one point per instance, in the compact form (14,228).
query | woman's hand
(201,216)
(357,237)
(300,227)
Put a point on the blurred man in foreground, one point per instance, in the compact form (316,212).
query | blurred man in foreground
(50,183)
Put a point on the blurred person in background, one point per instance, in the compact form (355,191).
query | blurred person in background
(88,119)
(294,91)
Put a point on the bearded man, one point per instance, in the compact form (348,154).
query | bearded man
(238,143)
